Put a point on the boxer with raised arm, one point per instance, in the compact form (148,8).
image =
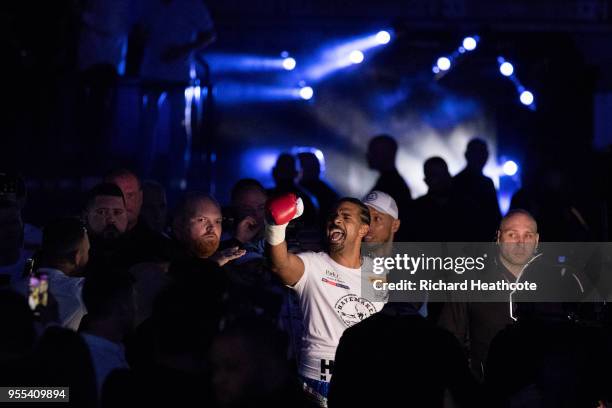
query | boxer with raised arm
(328,284)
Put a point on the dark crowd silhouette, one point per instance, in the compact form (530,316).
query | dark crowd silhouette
(130,301)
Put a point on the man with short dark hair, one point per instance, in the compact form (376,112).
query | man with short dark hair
(106,220)
(328,284)
(105,213)
(63,256)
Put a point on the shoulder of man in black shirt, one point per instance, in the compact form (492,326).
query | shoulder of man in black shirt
(414,361)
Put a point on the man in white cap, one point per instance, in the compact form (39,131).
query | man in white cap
(384,222)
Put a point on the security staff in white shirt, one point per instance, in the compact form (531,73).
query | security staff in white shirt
(63,255)
(328,284)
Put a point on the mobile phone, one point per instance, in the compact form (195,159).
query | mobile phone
(38,292)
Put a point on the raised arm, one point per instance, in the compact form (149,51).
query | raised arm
(280,211)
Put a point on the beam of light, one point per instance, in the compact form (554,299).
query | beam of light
(225,62)
(234,92)
(504,201)
(333,57)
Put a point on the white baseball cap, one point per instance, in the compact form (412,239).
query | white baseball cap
(382,202)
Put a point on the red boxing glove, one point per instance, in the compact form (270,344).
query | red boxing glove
(284,208)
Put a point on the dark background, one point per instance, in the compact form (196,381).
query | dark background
(560,51)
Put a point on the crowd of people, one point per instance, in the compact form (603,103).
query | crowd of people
(256,303)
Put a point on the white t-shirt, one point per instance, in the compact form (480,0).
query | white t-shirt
(330,297)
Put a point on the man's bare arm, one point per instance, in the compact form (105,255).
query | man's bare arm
(287,266)
(281,210)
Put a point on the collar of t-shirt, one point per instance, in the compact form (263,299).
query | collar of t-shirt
(337,265)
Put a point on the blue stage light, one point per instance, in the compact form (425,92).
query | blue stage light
(526,98)
(443,64)
(289,63)
(306,93)
(510,168)
(356,57)
(506,69)
(383,37)
(469,43)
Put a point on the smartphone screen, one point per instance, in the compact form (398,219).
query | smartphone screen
(38,292)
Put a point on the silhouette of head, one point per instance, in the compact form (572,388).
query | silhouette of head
(477,154)
(154,210)
(437,177)
(311,167)
(248,198)
(65,245)
(381,153)
(285,170)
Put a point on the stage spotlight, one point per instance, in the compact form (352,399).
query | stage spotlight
(469,43)
(306,93)
(510,168)
(436,70)
(443,64)
(356,56)
(506,69)
(289,63)
(383,37)
(284,54)
(526,98)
